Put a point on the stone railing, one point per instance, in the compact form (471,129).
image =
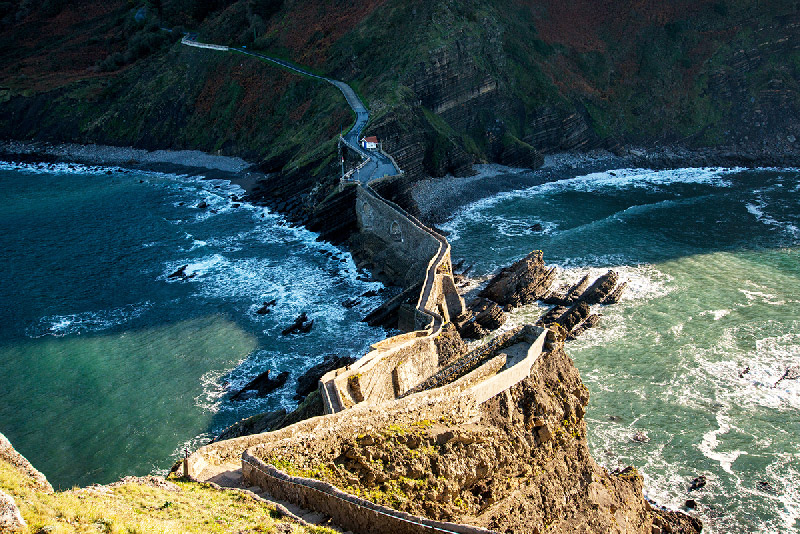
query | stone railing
(394,162)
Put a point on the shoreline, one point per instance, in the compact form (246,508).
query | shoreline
(438,199)
(186,162)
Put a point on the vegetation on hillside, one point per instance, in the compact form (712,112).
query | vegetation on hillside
(454,76)
(143,506)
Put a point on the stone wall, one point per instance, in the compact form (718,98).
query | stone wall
(390,370)
(195,44)
(404,236)
(347,510)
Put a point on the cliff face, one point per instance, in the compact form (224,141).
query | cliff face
(521,464)
(448,83)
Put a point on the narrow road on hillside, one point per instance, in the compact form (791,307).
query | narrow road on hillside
(379,164)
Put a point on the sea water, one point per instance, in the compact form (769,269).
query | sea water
(109,367)
(694,354)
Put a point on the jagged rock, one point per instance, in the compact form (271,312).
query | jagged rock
(301,325)
(615,295)
(202,205)
(262,384)
(491,317)
(524,282)
(588,323)
(472,330)
(351,303)
(10,517)
(600,289)
(179,273)
(577,291)
(309,381)
(690,503)
(697,483)
(640,436)
(263,422)
(537,227)
(557,297)
(574,316)
(551,316)
(265,309)
(792,373)
(744,372)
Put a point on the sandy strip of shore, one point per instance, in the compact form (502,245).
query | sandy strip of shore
(192,162)
(439,198)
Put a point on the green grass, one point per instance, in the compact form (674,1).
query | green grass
(134,508)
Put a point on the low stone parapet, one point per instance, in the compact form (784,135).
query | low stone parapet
(346,510)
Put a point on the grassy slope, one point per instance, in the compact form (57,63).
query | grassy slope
(135,508)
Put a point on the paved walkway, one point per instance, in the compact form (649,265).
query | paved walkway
(230,476)
(379,165)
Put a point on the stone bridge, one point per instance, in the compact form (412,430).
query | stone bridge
(399,380)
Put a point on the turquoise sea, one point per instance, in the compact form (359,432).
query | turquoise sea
(107,366)
(694,354)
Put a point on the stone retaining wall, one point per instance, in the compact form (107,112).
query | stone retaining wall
(195,44)
(346,510)
(406,238)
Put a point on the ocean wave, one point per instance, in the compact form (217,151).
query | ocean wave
(80,168)
(758,207)
(80,323)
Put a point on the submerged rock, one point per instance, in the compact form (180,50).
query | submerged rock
(265,308)
(263,384)
(181,274)
(351,303)
(301,325)
(697,483)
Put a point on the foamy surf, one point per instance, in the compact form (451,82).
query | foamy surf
(700,354)
(84,322)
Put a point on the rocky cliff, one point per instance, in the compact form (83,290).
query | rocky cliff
(449,83)
(521,464)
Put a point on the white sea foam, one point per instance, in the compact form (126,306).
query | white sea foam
(710,443)
(716,314)
(758,207)
(79,168)
(80,323)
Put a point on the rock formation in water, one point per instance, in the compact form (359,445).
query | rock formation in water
(262,385)
(529,280)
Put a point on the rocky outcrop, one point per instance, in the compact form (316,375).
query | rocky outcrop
(309,381)
(449,345)
(21,464)
(10,517)
(524,282)
(482,316)
(269,421)
(301,325)
(262,385)
(520,464)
